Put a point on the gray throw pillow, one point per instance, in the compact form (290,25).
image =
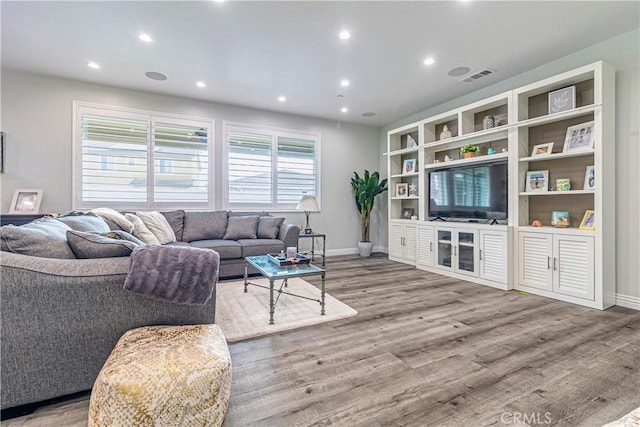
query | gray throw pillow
(241,227)
(45,238)
(269,227)
(85,223)
(176,221)
(95,245)
(204,225)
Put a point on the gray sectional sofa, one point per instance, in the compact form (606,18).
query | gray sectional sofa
(62,316)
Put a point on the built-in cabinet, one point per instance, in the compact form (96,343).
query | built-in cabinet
(531,129)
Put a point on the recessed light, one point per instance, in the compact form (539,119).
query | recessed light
(344,35)
(200,84)
(429,61)
(154,75)
(145,37)
(93,65)
(344,83)
(344,109)
(282,98)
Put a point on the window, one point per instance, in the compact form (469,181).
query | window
(139,160)
(269,169)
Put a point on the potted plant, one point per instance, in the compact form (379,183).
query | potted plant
(365,190)
(469,150)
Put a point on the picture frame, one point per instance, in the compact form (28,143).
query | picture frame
(402,189)
(409,166)
(407,213)
(588,220)
(589,178)
(560,219)
(562,100)
(411,143)
(537,181)
(413,190)
(542,149)
(579,137)
(26,201)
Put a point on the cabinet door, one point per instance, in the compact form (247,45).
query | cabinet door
(535,260)
(444,248)
(396,238)
(410,244)
(573,270)
(425,246)
(493,256)
(465,252)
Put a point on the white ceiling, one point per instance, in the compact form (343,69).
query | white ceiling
(249,53)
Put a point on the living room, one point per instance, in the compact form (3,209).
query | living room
(38,125)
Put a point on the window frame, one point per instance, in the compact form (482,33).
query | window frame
(151,117)
(275,132)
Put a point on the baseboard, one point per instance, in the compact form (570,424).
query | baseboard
(382,249)
(353,251)
(628,301)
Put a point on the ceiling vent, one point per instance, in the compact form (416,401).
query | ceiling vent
(476,76)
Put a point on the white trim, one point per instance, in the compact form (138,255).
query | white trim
(353,251)
(628,301)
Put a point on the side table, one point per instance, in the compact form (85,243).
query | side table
(313,237)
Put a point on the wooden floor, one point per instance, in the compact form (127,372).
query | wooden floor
(427,350)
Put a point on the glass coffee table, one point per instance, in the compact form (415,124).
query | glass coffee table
(273,272)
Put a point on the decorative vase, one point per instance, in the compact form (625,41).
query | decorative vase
(469,155)
(491,151)
(365,248)
(488,122)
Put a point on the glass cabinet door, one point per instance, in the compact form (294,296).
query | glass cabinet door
(445,248)
(466,252)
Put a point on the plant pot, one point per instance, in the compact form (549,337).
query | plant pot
(365,248)
(469,155)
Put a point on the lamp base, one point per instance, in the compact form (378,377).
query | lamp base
(307,227)
(308,231)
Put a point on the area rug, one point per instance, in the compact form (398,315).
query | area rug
(243,316)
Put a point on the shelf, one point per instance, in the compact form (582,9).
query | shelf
(468,245)
(445,242)
(555,230)
(474,160)
(577,153)
(555,193)
(402,175)
(405,198)
(403,151)
(483,136)
(550,118)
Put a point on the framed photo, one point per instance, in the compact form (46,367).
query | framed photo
(589,179)
(402,189)
(26,202)
(407,213)
(413,190)
(537,181)
(579,137)
(409,166)
(562,100)
(542,149)
(560,219)
(588,220)
(411,143)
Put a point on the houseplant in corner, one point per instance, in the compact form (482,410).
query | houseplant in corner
(469,150)
(365,190)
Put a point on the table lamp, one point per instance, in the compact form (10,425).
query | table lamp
(308,204)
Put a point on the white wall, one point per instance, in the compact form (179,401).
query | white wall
(37,119)
(623,52)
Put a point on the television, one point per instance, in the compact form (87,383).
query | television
(472,192)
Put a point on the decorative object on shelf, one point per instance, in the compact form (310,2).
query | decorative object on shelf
(563,184)
(488,122)
(588,220)
(292,252)
(562,100)
(1,152)
(402,189)
(407,213)
(589,179)
(436,161)
(504,150)
(413,190)
(365,190)
(447,158)
(536,223)
(411,143)
(26,202)
(542,149)
(560,219)
(308,204)
(469,150)
(445,133)
(409,166)
(414,217)
(579,137)
(491,151)
(537,181)
(282,260)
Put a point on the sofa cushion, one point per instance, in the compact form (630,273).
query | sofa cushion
(204,225)
(269,227)
(228,249)
(241,227)
(95,245)
(252,247)
(114,217)
(158,225)
(45,237)
(178,244)
(176,221)
(141,231)
(85,222)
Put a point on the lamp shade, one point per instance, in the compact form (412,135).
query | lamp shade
(308,204)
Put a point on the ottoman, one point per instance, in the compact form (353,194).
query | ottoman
(164,376)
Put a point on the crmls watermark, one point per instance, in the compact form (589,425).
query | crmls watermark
(532,418)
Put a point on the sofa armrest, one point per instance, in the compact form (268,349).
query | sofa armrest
(289,235)
(66,267)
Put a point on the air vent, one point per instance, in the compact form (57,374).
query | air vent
(476,76)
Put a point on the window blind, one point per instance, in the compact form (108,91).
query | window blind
(296,169)
(250,177)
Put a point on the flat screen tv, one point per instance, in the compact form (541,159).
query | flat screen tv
(472,192)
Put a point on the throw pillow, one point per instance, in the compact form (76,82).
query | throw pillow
(141,231)
(94,245)
(158,225)
(45,238)
(84,222)
(269,227)
(241,227)
(122,235)
(204,225)
(115,217)
(176,221)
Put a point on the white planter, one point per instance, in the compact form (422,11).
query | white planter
(365,248)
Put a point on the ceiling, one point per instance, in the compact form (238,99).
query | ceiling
(249,53)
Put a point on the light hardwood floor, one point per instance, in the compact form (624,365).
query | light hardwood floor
(427,350)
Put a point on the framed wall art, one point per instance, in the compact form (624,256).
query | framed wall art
(26,202)
(562,100)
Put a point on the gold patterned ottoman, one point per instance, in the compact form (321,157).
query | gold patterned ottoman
(164,376)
